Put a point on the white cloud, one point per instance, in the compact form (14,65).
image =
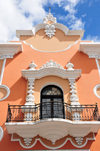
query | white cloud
(12,16)
(70,7)
(92,38)
(23,14)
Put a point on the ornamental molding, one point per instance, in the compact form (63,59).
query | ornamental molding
(92,49)
(50,30)
(49,25)
(8,50)
(7,91)
(29,143)
(51,64)
(68,47)
(30,92)
(61,27)
(51,68)
(1,133)
(49,17)
(95,90)
(73,96)
(53,129)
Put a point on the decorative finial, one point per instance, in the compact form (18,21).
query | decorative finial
(50,22)
(70,66)
(49,10)
(32,66)
(49,17)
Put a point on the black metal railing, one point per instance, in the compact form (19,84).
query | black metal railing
(21,113)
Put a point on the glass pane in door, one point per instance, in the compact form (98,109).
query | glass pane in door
(58,108)
(46,108)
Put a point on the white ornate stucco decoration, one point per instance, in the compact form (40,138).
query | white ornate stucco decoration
(52,64)
(48,18)
(79,140)
(32,66)
(1,133)
(53,130)
(50,30)
(51,68)
(70,66)
(30,95)
(27,141)
(8,50)
(73,97)
(49,22)
(54,147)
(92,49)
(6,89)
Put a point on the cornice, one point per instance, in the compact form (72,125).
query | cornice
(35,29)
(51,68)
(53,129)
(92,49)
(8,50)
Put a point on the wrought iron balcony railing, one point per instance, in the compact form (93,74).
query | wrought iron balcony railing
(21,113)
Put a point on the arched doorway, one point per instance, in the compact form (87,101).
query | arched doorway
(52,104)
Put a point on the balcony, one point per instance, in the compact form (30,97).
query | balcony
(23,113)
(52,122)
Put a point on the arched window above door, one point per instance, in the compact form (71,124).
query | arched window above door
(52,104)
(52,90)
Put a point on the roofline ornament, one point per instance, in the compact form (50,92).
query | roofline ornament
(52,68)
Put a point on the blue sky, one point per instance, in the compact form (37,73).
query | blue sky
(75,14)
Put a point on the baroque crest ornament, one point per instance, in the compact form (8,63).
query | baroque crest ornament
(49,22)
(50,30)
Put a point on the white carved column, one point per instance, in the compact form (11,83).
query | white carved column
(75,111)
(30,88)
(28,109)
(30,93)
(73,97)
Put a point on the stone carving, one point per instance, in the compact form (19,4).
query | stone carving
(79,140)
(52,64)
(30,95)
(50,30)
(73,97)
(70,66)
(27,141)
(48,18)
(32,66)
(49,22)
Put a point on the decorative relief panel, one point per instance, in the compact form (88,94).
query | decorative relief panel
(51,68)
(50,30)
(78,142)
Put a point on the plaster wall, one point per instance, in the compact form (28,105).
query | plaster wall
(18,85)
(58,42)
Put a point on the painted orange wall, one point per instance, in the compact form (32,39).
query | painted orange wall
(58,42)
(17,84)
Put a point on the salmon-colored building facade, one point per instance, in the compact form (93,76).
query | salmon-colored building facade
(50,90)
